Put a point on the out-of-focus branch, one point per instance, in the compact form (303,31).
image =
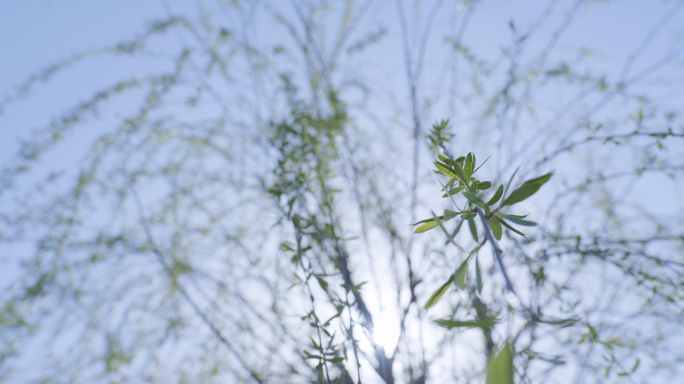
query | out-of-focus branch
(497,255)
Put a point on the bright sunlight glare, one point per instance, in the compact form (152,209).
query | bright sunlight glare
(386,332)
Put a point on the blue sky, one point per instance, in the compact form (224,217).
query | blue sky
(34,34)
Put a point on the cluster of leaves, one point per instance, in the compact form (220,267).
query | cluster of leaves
(461,181)
(305,143)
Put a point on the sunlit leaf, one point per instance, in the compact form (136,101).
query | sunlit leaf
(426,227)
(443,168)
(468,167)
(500,369)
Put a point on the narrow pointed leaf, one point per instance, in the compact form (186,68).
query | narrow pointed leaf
(460,274)
(449,214)
(441,226)
(505,224)
(454,191)
(518,220)
(559,322)
(443,168)
(453,235)
(529,188)
(426,221)
(468,167)
(508,186)
(497,195)
(480,323)
(439,293)
(460,172)
(426,227)
(500,369)
(473,228)
(476,200)
(478,275)
(495,226)
(475,170)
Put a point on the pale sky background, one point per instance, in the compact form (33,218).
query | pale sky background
(36,33)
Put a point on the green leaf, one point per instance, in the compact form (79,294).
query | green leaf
(468,167)
(453,235)
(560,322)
(449,214)
(322,283)
(460,172)
(636,365)
(477,201)
(473,228)
(425,221)
(343,377)
(478,275)
(454,191)
(497,195)
(286,247)
(518,220)
(443,168)
(439,293)
(426,227)
(441,226)
(505,224)
(500,369)
(529,188)
(480,323)
(444,159)
(483,186)
(310,356)
(495,226)
(460,274)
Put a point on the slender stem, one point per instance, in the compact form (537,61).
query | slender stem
(497,255)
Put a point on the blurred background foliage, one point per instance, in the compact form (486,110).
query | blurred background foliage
(225,196)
